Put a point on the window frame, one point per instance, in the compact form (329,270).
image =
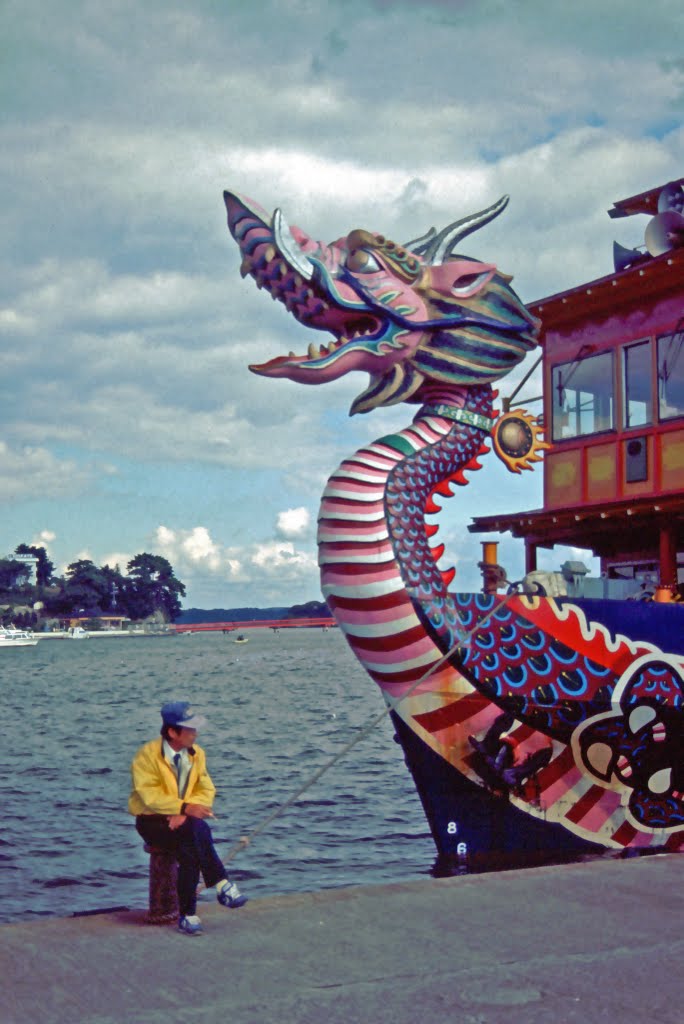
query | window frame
(607,355)
(650,421)
(676,333)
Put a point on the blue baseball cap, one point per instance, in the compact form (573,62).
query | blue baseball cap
(179,715)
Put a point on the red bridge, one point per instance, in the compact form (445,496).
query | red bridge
(228,627)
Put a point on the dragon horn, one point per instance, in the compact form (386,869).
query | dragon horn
(288,247)
(442,246)
(419,245)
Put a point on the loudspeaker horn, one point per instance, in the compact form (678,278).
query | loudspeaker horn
(665,231)
(624,258)
(671,198)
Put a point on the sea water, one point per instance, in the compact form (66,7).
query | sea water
(280,708)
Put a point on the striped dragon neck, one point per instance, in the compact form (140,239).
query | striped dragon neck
(378,571)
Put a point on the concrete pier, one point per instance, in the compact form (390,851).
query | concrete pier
(576,944)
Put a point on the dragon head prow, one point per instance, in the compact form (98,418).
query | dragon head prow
(408,315)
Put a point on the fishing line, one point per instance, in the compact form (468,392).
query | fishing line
(390,706)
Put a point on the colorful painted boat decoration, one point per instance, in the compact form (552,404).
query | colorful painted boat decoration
(538,722)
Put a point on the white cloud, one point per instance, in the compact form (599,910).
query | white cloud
(201,549)
(204,564)
(194,552)
(27,471)
(281,557)
(43,539)
(293,523)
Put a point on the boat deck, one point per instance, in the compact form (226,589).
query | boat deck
(577,943)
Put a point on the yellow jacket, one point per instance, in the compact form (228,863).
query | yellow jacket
(155,788)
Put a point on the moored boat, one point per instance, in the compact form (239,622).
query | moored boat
(10,636)
(544,719)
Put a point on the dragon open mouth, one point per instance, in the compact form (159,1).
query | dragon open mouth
(401,313)
(357,335)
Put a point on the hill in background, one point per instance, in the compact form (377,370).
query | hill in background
(310,610)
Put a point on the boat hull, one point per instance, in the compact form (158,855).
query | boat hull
(476,830)
(604,769)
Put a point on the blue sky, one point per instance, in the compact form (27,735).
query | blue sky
(128,418)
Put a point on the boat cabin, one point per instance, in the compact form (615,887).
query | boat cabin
(613,411)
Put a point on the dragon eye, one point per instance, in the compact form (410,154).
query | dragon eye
(361,261)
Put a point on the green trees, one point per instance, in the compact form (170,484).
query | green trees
(86,588)
(148,588)
(13,575)
(152,588)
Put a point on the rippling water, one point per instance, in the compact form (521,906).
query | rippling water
(280,707)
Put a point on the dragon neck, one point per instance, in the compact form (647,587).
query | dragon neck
(378,571)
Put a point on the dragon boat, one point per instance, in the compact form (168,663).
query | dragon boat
(544,719)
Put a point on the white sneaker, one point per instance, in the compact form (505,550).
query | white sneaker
(230,896)
(190,925)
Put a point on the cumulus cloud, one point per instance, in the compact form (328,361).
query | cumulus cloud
(293,523)
(195,554)
(277,557)
(43,539)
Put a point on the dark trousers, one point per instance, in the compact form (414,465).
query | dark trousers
(194,848)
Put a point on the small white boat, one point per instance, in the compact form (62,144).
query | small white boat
(78,633)
(10,636)
(241,639)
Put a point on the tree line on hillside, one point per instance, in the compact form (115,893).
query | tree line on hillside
(148,589)
(310,610)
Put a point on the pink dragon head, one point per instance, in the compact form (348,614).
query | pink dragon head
(409,315)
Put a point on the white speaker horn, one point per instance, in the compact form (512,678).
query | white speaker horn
(665,231)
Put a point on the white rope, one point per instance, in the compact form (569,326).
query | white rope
(391,705)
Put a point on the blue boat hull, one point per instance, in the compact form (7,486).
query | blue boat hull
(475,830)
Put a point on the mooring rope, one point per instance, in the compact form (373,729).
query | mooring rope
(390,706)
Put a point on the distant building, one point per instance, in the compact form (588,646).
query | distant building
(31,562)
(102,622)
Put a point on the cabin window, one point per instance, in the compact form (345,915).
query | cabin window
(638,374)
(671,375)
(583,400)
